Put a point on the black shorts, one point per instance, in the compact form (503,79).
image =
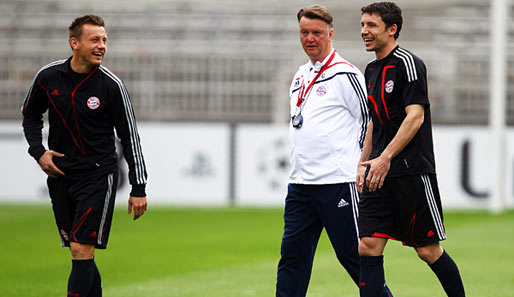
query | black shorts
(406,208)
(83,207)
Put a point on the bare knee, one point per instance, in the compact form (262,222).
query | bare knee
(371,246)
(81,251)
(430,253)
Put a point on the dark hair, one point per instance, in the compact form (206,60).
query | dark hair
(390,13)
(319,12)
(75,29)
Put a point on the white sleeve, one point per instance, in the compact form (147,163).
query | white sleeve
(355,99)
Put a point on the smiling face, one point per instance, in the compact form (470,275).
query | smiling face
(316,38)
(89,48)
(376,36)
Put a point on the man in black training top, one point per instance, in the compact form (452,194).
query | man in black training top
(85,103)
(396,174)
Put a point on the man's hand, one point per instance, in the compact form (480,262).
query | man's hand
(139,204)
(379,167)
(47,164)
(361,172)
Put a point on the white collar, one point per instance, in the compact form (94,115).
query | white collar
(318,65)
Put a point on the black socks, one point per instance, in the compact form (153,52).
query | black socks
(84,279)
(372,280)
(96,286)
(448,274)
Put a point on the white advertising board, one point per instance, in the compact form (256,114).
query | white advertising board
(21,178)
(463,166)
(186,163)
(262,168)
(189,164)
(461,152)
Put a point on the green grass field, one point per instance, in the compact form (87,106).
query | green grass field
(225,252)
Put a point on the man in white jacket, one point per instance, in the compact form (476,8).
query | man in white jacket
(329,117)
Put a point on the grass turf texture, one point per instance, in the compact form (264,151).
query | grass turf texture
(190,252)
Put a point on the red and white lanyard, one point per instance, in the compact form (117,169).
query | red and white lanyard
(303,91)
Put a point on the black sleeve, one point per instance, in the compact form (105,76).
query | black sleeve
(126,129)
(34,106)
(413,77)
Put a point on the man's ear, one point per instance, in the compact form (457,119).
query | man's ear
(392,29)
(74,43)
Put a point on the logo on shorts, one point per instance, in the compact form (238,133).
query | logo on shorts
(93,103)
(321,91)
(64,234)
(389,86)
(342,203)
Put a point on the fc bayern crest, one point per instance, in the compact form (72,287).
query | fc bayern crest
(389,86)
(322,90)
(93,103)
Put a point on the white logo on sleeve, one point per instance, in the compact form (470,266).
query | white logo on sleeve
(342,203)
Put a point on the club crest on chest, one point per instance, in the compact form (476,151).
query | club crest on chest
(389,85)
(93,103)
(321,90)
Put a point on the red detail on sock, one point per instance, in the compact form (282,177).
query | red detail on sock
(73,294)
(55,92)
(362,284)
(430,233)
(446,287)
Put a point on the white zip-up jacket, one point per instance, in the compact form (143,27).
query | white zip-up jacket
(327,148)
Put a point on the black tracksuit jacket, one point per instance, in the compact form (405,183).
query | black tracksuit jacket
(83,111)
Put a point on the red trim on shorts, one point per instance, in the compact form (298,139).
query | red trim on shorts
(79,222)
(382,235)
(411,227)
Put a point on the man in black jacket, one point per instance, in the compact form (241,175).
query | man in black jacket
(85,103)
(396,174)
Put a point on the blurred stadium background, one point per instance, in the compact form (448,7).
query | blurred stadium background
(209,82)
(231,61)
(214,76)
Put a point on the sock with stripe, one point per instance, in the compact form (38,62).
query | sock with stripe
(81,277)
(372,279)
(448,274)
